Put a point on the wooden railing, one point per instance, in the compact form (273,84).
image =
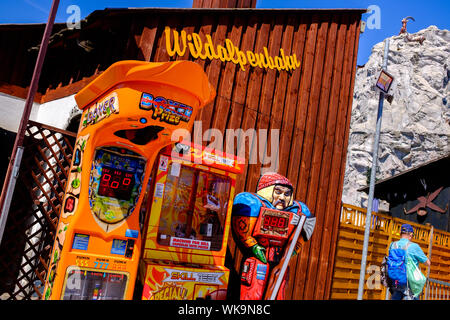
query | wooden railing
(437,290)
(384,229)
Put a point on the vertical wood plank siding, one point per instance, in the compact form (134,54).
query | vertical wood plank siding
(310,106)
(224,4)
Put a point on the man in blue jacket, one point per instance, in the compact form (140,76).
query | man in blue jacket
(415,253)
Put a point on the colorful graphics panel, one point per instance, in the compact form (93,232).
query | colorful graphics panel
(166,110)
(72,195)
(101,110)
(164,282)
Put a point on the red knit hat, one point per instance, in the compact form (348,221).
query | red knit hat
(272,178)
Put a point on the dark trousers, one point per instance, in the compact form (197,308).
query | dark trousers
(401,292)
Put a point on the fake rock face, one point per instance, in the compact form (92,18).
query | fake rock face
(415,127)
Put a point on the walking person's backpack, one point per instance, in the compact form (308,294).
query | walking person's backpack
(396,264)
(385,281)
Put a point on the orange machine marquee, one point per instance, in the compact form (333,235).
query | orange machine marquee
(188,226)
(129,114)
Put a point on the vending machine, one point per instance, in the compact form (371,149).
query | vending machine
(129,114)
(188,226)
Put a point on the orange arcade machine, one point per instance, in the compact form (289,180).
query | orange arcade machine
(129,114)
(188,225)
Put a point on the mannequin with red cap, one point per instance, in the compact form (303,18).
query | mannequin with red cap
(262,224)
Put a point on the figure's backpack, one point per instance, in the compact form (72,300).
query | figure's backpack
(396,264)
(385,281)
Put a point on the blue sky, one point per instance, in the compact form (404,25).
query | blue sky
(425,13)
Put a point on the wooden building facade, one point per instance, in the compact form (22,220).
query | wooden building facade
(297,79)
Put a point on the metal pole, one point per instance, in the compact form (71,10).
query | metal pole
(16,155)
(430,248)
(372,182)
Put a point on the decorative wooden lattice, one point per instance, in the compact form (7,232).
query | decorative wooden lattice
(34,212)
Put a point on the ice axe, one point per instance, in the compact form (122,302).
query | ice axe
(278,274)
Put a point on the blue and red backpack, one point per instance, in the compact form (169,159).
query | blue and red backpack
(396,264)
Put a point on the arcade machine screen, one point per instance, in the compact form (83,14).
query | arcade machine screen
(273,225)
(115,183)
(194,208)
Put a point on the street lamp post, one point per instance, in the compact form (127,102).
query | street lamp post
(372,181)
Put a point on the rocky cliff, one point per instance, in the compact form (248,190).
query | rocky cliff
(416,125)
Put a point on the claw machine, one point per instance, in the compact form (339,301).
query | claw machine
(188,226)
(129,114)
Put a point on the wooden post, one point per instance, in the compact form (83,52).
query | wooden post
(430,247)
(389,231)
(16,155)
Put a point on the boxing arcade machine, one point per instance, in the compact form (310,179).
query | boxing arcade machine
(188,227)
(129,114)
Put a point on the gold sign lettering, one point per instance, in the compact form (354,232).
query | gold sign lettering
(177,44)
